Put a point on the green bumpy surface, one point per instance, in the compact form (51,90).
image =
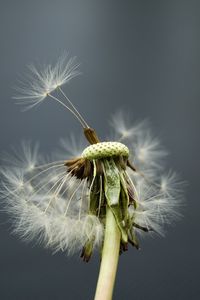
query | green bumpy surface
(105,149)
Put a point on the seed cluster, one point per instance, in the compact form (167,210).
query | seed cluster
(105,149)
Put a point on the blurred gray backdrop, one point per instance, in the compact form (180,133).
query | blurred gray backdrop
(140,56)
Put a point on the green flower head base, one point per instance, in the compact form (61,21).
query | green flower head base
(105,150)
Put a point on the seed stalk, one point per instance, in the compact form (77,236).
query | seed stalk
(110,257)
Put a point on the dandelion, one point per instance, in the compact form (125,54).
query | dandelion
(104,196)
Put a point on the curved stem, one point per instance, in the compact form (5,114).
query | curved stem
(110,257)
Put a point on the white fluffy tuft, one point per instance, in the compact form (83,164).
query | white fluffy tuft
(72,147)
(124,131)
(38,84)
(48,205)
(157,206)
(158,196)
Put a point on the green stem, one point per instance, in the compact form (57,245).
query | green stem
(110,257)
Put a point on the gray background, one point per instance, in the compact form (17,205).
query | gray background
(143,57)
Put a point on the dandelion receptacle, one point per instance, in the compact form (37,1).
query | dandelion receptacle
(102,195)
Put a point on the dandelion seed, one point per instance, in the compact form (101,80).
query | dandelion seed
(103,196)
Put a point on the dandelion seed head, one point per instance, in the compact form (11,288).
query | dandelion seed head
(53,206)
(62,204)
